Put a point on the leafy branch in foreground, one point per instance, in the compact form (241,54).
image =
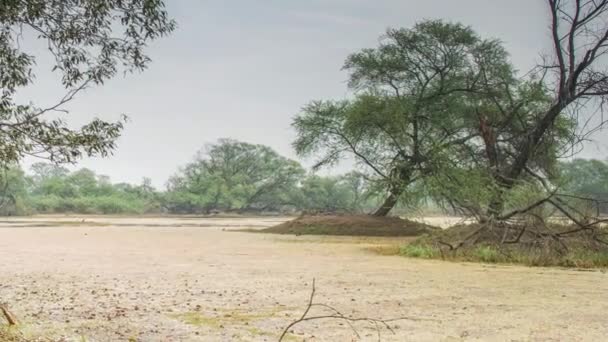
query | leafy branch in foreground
(89,42)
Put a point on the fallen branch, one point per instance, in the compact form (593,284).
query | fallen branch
(517,238)
(10,318)
(378,323)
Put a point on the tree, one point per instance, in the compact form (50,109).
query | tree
(363,195)
(233,175)
(555,108)
(13,191)
(90,42)
(50,180)
(54,189)
(583,176)
(501,111)
(587,180)
(43,170)
(345,193)
(410,108)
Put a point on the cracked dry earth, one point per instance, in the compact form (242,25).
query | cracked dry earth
(172,279)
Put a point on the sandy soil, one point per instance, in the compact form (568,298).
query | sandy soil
(155,279)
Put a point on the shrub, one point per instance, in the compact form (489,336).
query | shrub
(419,251)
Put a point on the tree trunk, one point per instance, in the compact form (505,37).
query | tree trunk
(389,203)
(495,209)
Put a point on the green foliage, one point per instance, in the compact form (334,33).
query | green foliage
(237,176)
(410,116)
(53,189)
(13,193)
(419,251)
(486,254)
(232,175)
(90,42)
(586,179)
(439,112)
(461,189)
(348,193)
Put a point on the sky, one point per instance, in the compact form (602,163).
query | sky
(242,69)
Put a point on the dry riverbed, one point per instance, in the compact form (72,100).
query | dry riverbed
(193,279)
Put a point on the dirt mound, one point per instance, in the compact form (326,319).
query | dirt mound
(352,225)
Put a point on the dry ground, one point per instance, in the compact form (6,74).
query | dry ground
(171,279)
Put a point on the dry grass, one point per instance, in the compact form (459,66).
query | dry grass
(491,254)
(9,335)
(536,247)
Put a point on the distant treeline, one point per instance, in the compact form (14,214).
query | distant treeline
(231,176)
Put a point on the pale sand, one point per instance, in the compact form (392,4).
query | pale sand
(112,283)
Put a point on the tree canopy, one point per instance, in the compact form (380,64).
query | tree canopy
(411,110)
(89,43)
(546,114)
(232,175)
(55,189)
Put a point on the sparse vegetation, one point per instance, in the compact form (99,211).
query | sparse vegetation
(579,251)
(578,258)
(10,335)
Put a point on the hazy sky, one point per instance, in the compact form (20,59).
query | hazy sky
(242,69)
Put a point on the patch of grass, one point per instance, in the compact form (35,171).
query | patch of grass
(576,258)
(257,331)
(225,317)
(419,251)
(487,254)
(586,259)
(240,319)
(293,338)
(199,320)
(540,246)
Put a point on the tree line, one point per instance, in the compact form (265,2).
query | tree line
(229,176)
(233,177)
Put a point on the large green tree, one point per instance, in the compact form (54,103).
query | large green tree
(233,175)
(89,43)
(411,105)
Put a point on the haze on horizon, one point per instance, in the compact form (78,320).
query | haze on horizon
(242,70)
